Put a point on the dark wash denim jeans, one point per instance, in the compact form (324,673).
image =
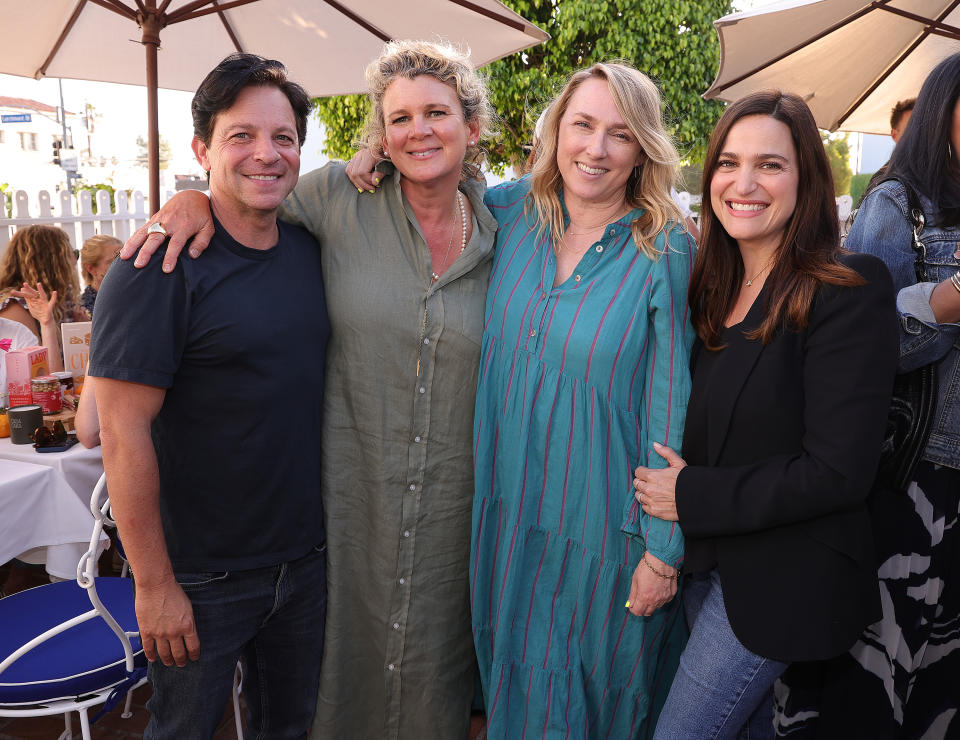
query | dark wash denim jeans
(721,690)
(273,618)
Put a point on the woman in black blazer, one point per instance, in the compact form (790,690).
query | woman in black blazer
(792,374)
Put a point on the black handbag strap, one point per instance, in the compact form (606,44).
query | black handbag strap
(917,222)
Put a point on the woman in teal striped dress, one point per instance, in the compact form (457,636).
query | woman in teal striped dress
(584,366)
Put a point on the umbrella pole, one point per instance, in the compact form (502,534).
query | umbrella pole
(151,41)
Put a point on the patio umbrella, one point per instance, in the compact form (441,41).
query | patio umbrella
(325,44)
(851,60)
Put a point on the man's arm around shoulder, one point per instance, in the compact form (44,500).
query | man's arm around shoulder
(164,612)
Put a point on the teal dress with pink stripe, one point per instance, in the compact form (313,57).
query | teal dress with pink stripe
(576,383)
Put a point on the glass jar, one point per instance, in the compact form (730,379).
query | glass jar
(66,388)
(46,393)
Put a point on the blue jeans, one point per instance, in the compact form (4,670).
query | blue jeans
(721,689)
(273,618)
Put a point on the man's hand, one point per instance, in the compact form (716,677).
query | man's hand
(185,216)
(167,631)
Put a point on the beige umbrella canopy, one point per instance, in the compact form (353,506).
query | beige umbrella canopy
(325,44)
(851,60)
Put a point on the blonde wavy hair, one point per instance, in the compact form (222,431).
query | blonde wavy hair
(41,254)
(648,187)
(93,250)
(410,59)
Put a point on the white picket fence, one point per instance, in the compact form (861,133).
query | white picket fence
(75,214)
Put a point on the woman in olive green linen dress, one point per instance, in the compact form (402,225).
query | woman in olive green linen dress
(405,275)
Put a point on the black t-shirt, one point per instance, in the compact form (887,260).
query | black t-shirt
(238,338)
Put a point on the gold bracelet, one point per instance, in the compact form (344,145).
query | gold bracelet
(955,280)
(668,577)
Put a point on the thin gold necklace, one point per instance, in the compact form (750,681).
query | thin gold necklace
(750,281)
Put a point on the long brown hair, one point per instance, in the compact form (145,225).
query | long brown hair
(807,257)
(41,254)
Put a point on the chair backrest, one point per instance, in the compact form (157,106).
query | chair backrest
(87,580)
(87,567)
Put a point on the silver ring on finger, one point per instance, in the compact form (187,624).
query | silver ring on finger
(157,228)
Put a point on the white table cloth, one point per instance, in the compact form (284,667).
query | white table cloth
(80,467)
(42,519)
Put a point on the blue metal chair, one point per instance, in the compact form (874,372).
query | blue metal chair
(58,655)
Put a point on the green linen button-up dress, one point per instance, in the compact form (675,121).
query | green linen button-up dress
(397,460)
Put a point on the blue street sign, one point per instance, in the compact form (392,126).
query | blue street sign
(15,118)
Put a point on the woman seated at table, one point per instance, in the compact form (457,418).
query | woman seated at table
(792,374)
(39,258)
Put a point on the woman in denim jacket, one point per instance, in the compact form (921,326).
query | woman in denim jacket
(902,679)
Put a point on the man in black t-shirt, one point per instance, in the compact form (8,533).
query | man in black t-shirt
(210,415)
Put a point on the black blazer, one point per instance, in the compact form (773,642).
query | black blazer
(778,495)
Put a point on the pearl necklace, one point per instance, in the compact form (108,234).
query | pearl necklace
(463,236)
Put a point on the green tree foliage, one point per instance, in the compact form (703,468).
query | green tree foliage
(93,188)
(858,186)
(838,152)
(143,156)
(6,193)
(674,43)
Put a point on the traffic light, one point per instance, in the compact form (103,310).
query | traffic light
(57,146)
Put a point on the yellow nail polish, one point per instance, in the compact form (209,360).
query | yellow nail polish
(627,605)
(359,190)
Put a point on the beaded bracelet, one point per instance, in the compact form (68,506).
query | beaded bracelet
(668,577)
(955,280)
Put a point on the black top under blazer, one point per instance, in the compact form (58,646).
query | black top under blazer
(777,496)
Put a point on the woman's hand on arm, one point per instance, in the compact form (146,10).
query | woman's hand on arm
(656,489)
(360,170)
(654,584)
(185,216)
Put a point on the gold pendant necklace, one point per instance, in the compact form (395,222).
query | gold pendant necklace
(750,281)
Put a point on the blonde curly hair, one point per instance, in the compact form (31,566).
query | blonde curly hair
(638,101)
(410,59)
(41,254)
